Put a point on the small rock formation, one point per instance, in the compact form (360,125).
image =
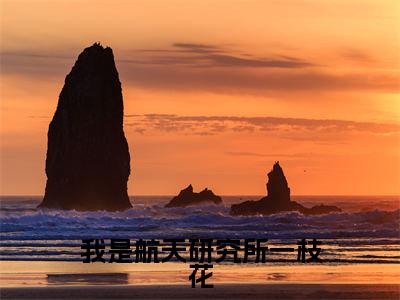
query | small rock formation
(88,162)
(277,199)
(187,197)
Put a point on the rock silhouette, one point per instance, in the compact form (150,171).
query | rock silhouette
(277,199)
(187,197)
(88,161)
(278,189)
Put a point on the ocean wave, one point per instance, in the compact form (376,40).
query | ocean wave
(206,221)
(30,234)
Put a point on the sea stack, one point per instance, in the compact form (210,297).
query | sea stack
(278,189)
(88,162)
(187,197)
(278,199)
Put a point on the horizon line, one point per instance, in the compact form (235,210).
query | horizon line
(236,195)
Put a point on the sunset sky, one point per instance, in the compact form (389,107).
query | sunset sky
(216,91)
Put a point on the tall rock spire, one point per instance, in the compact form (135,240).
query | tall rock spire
(88,162)
(277,188)
(278,199)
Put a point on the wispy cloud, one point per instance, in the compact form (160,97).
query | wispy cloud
(219,80)
(32,54)
(201,48)
(220,69)
(356,55)
(285,127)
(200,67)
(203,55)
(274,155)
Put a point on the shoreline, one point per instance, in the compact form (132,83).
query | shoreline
(221,291)
(17,275)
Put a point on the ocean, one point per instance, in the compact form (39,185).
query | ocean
(366,231)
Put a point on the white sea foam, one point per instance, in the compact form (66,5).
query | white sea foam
(31,233)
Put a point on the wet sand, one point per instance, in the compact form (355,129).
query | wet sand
(67,280)
(222,291)
(42,274)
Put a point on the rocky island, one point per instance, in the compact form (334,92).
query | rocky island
(88,161)
(187,197)
(277,199)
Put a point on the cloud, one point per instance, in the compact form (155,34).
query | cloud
(202,55)
(35,65)
(184,48)
(219,80)
(201,48)
(290,128)
(285,156)
(255,154)
(31,54)
(213,68)
(357,55)
(194,67)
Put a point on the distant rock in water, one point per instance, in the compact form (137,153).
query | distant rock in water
(187,197)
(278,199)
(88,162)
(278,189)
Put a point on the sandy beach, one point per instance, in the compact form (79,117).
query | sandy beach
(43,280)
(248,291)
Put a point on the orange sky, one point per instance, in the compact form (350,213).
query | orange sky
(216,91)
